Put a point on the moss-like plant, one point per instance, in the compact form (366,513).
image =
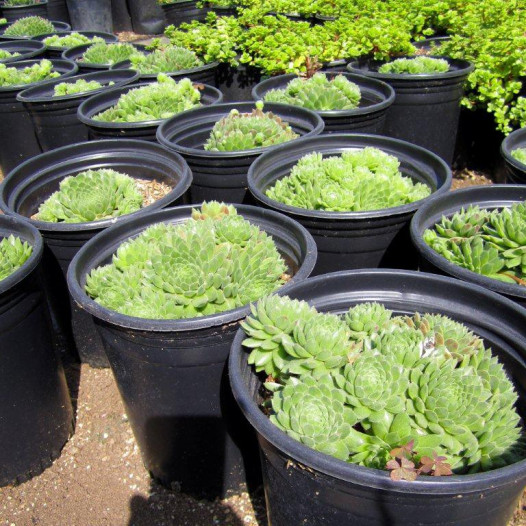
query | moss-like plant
(91,195)
(318,93)
(30,26)
(166,60)
(358,386)
(11,76)
(104,53)
(159,100)
(80,86)
(519,154)
(415,66)
(355,181)
(5,54)
(214,262)
(70,40)
(13,254)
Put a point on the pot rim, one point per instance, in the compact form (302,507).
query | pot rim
(505,149)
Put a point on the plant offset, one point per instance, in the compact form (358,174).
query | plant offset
(11,76)
(13,254)
(415,66)
(215,261)
(30,26)
(358,386)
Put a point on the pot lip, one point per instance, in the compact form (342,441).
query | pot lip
(360,80)
(339,469)
(416,231)
(31,51)
(353,140)
(101,34)
(56,23)
(223,110)
(106,146)
(73,53)
(15,7)
(128,227)
(126,64)
(505,149)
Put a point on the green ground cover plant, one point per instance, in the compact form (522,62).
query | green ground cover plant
(11,76)
(519,154)
(4,54)
(79,86)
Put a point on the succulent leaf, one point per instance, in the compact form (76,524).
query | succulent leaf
(13,254)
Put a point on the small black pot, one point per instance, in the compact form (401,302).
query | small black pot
(18,141)
(27,49)
(30,184)
(304,486)
(183,11)
(222,176)
(237,82)
(58,10)
(491,197)
(370,115)
(59,28)
(144,130)
(11,14)
(350,240)
(172,373)
(55,118)
(426,108)
(57,51)
(36,409)
(515,170)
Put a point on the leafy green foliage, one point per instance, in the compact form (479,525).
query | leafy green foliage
(79,86)
(90,196)
(104,53)
(159,100)
(357,180)
(29,26)
(19,3)
(13,254)
(245,131)
(415,66)
(165,60)
(4,54)
(3,21)
(491,243)
(413,394)
(519,154)
(215,261)
(11,76)
(70,40)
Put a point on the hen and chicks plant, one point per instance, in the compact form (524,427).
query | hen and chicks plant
(104,53)
(5,54)
(79,86)
(70,40)
(13,254)
(12,76)
(29,26)
(415,66)
(20,3)
(166,60)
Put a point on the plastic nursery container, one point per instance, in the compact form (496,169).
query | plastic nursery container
(348,240)
(426,107)
(223,175)
(172,373)
(492,197)
(56,51)
(144,130)
(183,11)
(59,28)
(18,141)
(36,418)
(30,184)
(58,10)
(515,170)
(368,117)
(304,486)
(55,118)
(237,82)
(27,49)
(95,15)
(11,14)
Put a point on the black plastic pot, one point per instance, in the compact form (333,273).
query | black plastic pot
(11,14)
(236,83)
(27,49)
(30,184)
(172,373)
(222,176)
(58,10)
(426,108)
(59,28)
(183,11)
(144,130)
(515,170)
(55,118)
(57,51)
(224,11)
(370,115)
(37,415)
(491,196)
(147,16)
(350,240)
(18,141)
(90,15)
(303,486)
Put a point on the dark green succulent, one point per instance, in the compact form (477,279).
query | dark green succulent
(415,66)
(13,254)
(165,60)
(29,26)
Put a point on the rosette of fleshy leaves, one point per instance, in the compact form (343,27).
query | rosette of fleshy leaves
(164,60)
(519,154)
(245,131)
(91,195)
(79,86)
(11,76)
(318,93)
(415,66)
(109,53)
(5,54)
(213,262)
(356,180)
(13,254)
(155,101)
(19,3)
(70,40)
(29,26)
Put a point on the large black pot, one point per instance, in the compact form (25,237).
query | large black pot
(426,108)
(223,175)
(11,14)
(515,170)
(183,11)
(172,373)
(90,15)
(57,51)
(18,141)
(144,130)
(59,28)
(27,49)
(348,240)
(36,417)
(491,197)
(30,184)
(55,118)
(58,10)
(237,82)
(368,117)
(304,486)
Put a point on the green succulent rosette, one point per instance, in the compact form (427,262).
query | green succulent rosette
(29,26)
(165,60)
(13,254)
(415,66)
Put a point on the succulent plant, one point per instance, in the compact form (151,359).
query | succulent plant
(13,254)
(70,40)
(190,270)
(29,26)
(415,66)
(79,86)
(519,154)
(357,180)
(318,93)
(245,131)
(4,54)
(12,76)
(108,54)
(165,60)
(91,195)
(19,3)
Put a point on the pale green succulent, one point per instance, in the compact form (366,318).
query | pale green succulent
(318,93)
(79,86)
(70,40)
(366,319)
(155,101)
(245,131)
(357,180)
(415,66)
(189,270)
(13,254)
(91,195)
(519,154)
(29,26)
(165,60)
(11,76)
(108,54)
(5,54)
